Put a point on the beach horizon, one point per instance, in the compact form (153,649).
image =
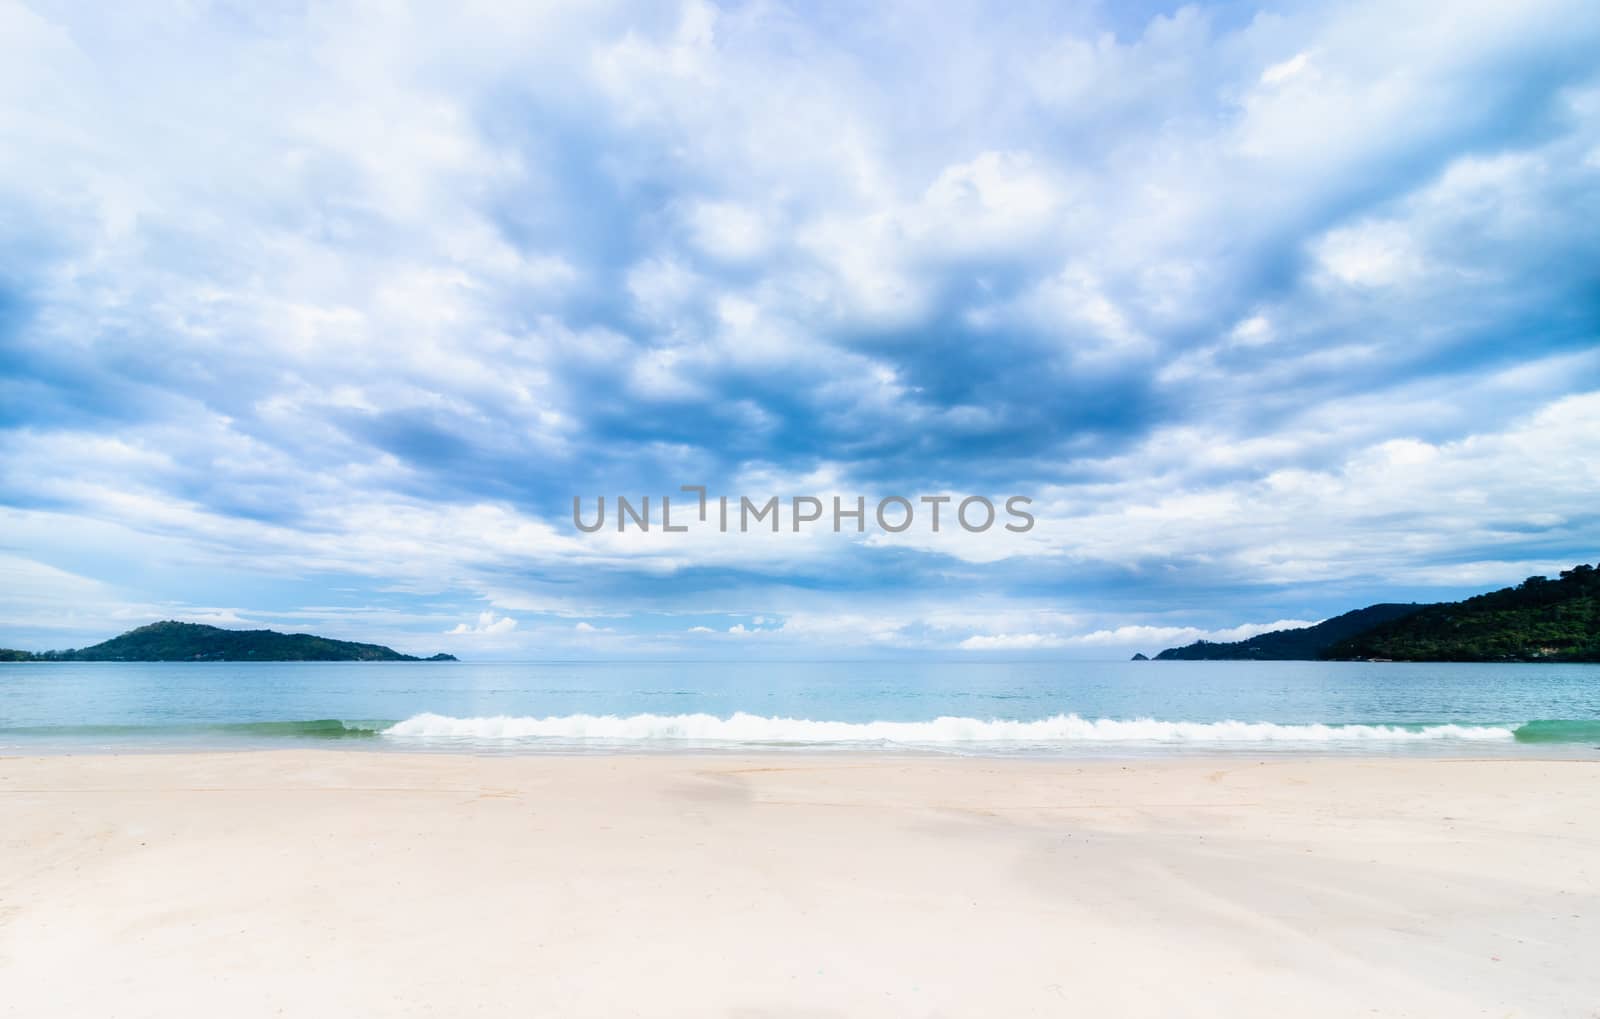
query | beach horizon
(312,881)
(767,510)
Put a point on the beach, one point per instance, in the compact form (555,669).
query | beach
(324,882)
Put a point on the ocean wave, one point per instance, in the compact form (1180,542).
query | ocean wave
(314,728)
(1057,729)
(1560,730)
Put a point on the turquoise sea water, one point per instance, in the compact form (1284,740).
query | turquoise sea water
(1052,708)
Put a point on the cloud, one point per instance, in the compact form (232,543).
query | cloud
(488,623)
(1125,637)
(1273,316)
(1010,642)
(1279,73)
(1168,636)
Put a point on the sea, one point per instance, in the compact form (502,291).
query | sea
(1038,708)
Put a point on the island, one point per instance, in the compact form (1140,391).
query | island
(1542,619)
(1298,644)
(1539,620)
(172,641)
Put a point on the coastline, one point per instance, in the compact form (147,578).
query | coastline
(315,881)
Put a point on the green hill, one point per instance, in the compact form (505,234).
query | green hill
(1303,643)
(1539,620)
(172,641)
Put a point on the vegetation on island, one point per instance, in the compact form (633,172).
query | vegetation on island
(1299,644)
(1540,620)
(172,641)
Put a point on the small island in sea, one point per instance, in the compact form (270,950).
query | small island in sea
(1539,620)
(172,641)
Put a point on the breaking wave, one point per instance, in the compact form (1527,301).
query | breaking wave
(315,729)
(744,728)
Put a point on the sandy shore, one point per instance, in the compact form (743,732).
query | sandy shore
(368,884)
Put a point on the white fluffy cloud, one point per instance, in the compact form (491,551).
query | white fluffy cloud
(488,623)
(1010,642)
(1269,316)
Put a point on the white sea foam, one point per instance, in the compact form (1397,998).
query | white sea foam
(1058,729)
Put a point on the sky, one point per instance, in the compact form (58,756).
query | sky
(318,317)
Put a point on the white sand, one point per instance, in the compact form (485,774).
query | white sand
(370,884)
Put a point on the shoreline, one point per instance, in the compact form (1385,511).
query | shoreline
(1569,753)
(315,881)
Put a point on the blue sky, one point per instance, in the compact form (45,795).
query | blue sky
(318,317)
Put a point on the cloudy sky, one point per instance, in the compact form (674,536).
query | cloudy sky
(319,316)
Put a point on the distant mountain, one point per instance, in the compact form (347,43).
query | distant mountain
(1539,620)
(1303,643)
(172,641)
